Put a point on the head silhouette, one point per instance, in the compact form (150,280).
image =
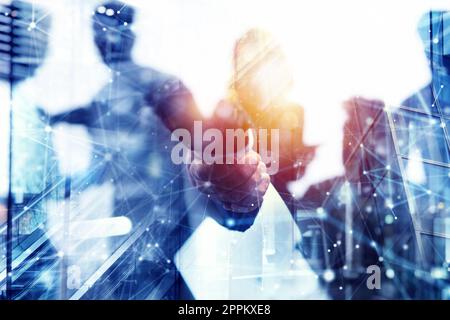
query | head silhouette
(112,33)
(262,74)
(434,31)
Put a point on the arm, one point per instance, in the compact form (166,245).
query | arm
(174,104)
(82,115)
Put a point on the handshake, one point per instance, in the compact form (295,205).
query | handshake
(240,186)
(233,174)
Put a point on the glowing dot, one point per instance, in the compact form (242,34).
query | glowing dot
(101,9)
(435,40)
(48,129)
(438,273)
(230,222)
(328,275)
(390,273)
(388,219)
(321,213)
(357,246)
(389,204)
(32,25)
(110,12)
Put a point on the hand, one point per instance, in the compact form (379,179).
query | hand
(239,187)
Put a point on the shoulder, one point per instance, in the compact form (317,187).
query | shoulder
(359,110)
(158,78)
(163,85)
(359,102)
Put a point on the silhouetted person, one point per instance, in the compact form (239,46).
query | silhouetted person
(259,97)
(131,148)
(434,31)
(130,122)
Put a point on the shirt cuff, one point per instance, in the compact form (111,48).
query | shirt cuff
(235,221)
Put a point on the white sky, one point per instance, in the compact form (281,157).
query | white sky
(336,48)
